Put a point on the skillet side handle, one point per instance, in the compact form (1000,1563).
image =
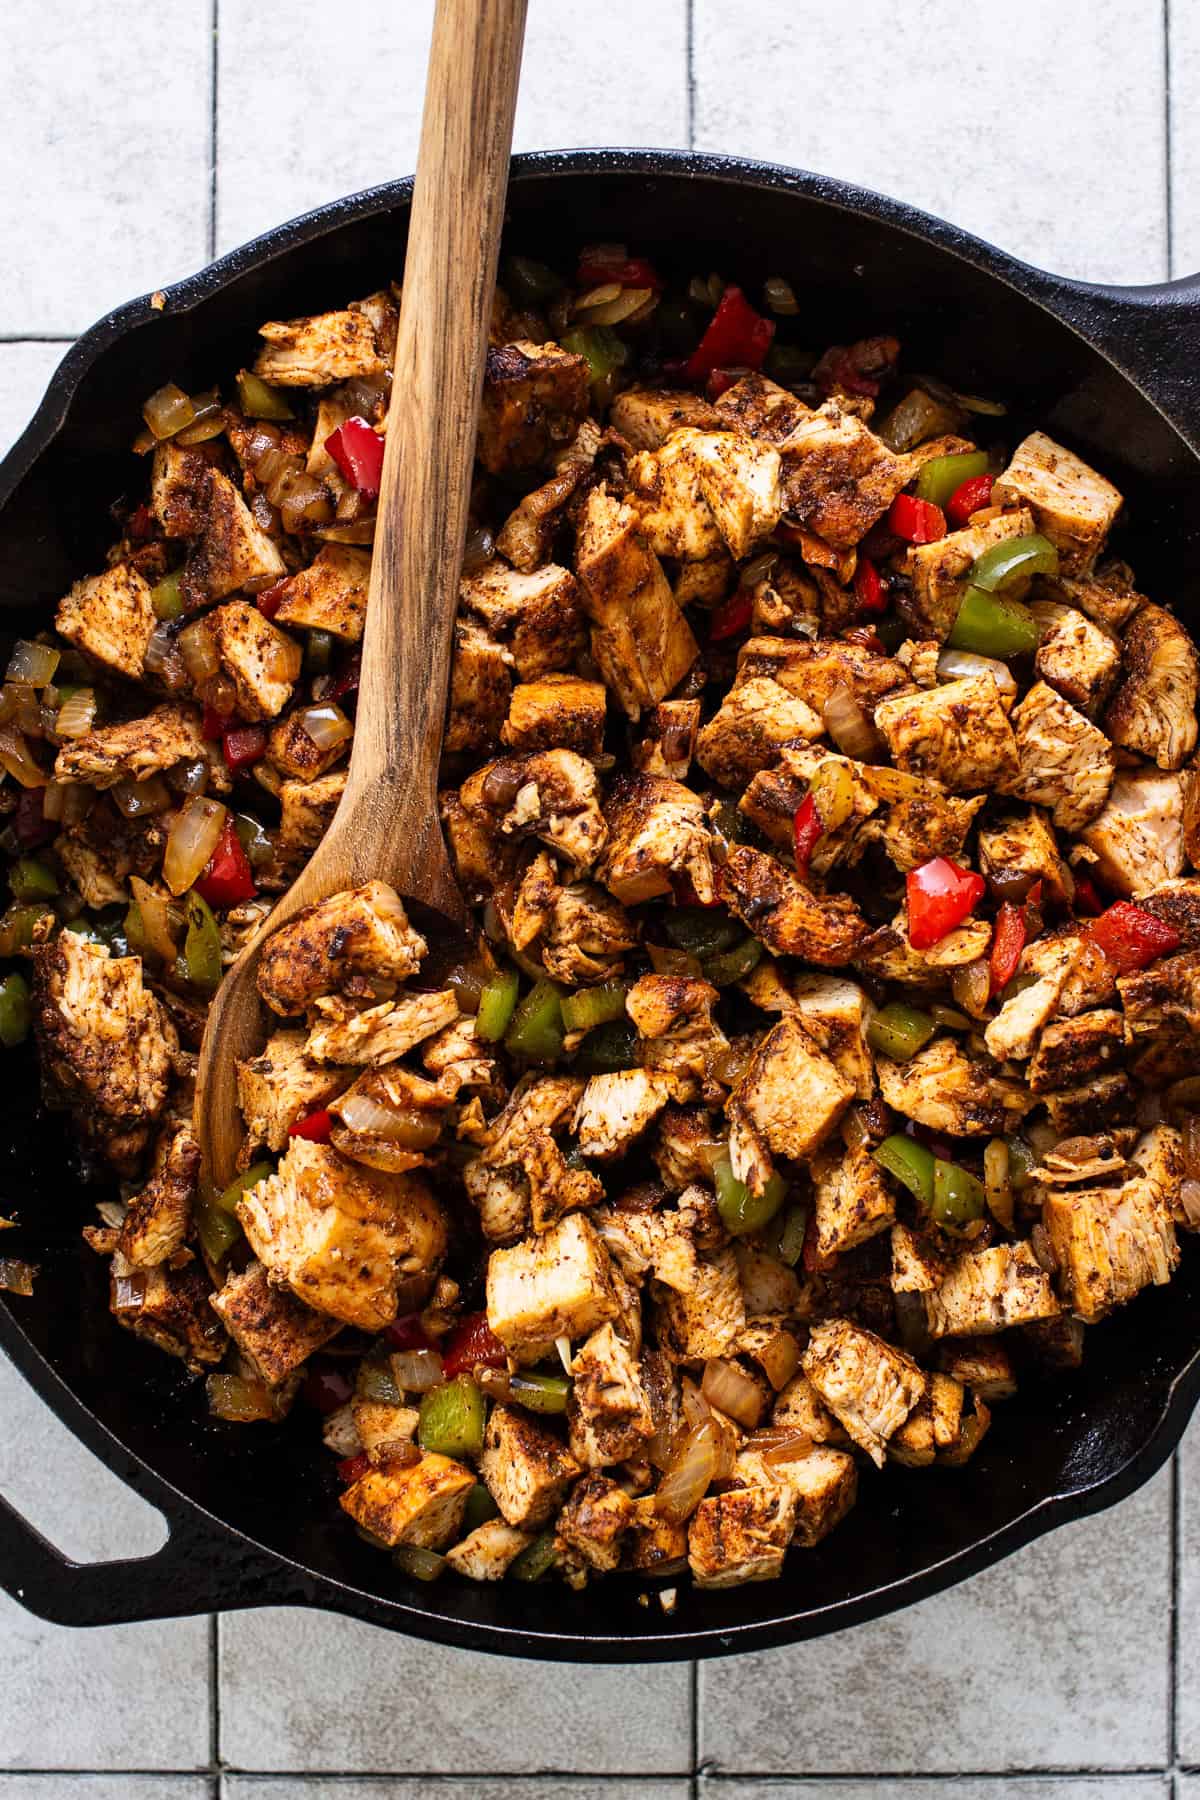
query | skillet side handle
(198,1570)
(1151,332)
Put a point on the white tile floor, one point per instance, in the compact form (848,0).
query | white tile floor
(136,141)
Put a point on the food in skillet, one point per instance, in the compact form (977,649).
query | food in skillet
(825,792)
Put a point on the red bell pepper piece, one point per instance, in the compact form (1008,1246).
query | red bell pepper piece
(215,724)
(347,678)
(870,589)
(968,499)
(326,1388)
(358,453)
(940,896)
(473,1342)
(807,826)
(140,524)
(733,615)
(1131,937)
(633,271)
(719,381)
(353,1468)
(244,746)
(1008,941)
(1087,896)
(916,521)
(408,1333)
(271,599)
(227,880)
(315,1126)
(868,639)
(737,337)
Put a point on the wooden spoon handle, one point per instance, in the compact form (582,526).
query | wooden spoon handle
(449,276)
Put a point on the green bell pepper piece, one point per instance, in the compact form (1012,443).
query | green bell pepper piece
(529,283)
(166,598)
(599,345)
(218,1231)
(941,477)
(958,1197)
(740,1210)
(899,1031)
(496,1003)
(700,930)
(787,363)
(255,840)
(536,1029)
(910,1162)
(536,1560)
(31,879)
(1013,559)
(1022,1160)
(479,1509)
(376,1382)
(792,1231)
(201,945)
(241,1184)
(989,625)
(319,652)
(258,400)
(732,965)
(540,1393)
(608,1048)
(452,1418)
(588,1007)
(15,1010)
(16,927)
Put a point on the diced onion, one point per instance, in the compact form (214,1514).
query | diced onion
(189,778)
(239,1401)
(53,799)
(971,985)
(622,306)
(404,1125)
(16,1277)
(17,758)
(158,927)
(77,714)
(997,1183)
(848,725)
(162,661)
(687,1480)
(139,799)
(199,651)
(832,789)
(759,569)
(598,296)
(953,665)
(280,656)
(416,1371)
(732,1391)
(780,296)
(193,837)
(788,1448)
(32,663)
(168,410)
(327,725)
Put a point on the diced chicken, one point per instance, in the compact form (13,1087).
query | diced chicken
(96,881)
(319,350)
(1105,1103)
(1075,656)
(957,733)
(280,1085)
(768,1285)
(274,1331)
(616,1109)
(640,639)
(851,1200)
(669,741)
(526,538)
(989,1290)
(380,1034)
(838,478)
(306,810)
(1072,1051)
(178,489)
(540,614)
(918,821)
(799,1408)
(298,756)
(1176,903)
(869,1386)
(707,1318)
(486,1553)
(559,1284)
(421,1503)
(595,1519)
(945,1090)
(133,751)
(582,933)
(939,572)
(823,1484)
(159,1218)
(1021,845)
(888,954)
(169,1308)
(262,662)
(816,766)
(933,1426)
(1072,505)
(1110,1243)
(789,918)
(1154,710)
(673,1015)
(342,1236)
(527,1469)
(739,481)
(1137,837)
(553,795)
(480,689)
(675,517)
(684,1144)
(1164,997)
(1106,594)
(499,1179)
(608,1412)
(813,669)
(1066,763)
(1014,1032)
(330,594)
(740,1536)
(752,725)
(459,1059)
(773,1349)
(646,417)
(110,617)
(232,549)
(984,1365)
(659,842)
(364,931)
(919,1262)
(835,1013)
(556,711)
(534,396)
(788,1101)
(104,1039)
(759,406)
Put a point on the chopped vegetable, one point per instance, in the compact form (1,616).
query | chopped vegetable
(899,1031)
(600,347)
(201,945)
(594,1006)
(496,1004)
(16,1010)
(452,1418)
(732,965)
(916,521)
(165,597)
(700,930)
(597,265)
(737,336)
(970,498)
(1008,941)
(537,1559)
(32,664)
(807,830)
(16,1277)
(539,1393)
(910,1162)
(479,1509)
(1131,937)
(939,897)
(217,1230)
(241,1185)
(1012,560)
(16,927)
(608,1048)
(529,283)
(958,1198)
(870,590)
(732,615)
(941,478)
(991,625)
(353,1468)
(792,1229)
(315,1126)
(197,830)
(243,747)
(536,1029)
(228,879)
(358,452)
(30,879)
(471,1343)
(259,400)
(740,1210)
(420,1563)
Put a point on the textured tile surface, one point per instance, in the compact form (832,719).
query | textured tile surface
(304,1691)
(107,1787)
(979,1787)
(1099,1697)
(396,1787)
(1188,1706)
(24,371)
(1185,137)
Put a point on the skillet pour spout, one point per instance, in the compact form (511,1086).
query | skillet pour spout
(252,1519)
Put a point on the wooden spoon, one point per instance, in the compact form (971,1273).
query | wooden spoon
(387,823)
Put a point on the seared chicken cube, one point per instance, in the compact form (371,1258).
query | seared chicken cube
(800,1409)
(364,931)
(1177,903)
(888,954)
(232,551)
(318,350)
(497,1180)
(342,1236)
(935,1425)
(556,711)
(1106,594)
(616,1109)
(262,662)
(940,572)
(739,480)
(823,1484)
(134,751)
(540,614)
(1077,657)
(1154,710)
(646,417)
(1072,1051)
(298,756)
(1105,1103)
(919,1262)
(526,538)
(169,1308)
(1164,997)
(684,1144)
(382,1033)
(675,516)
(708,1317)
(104,1039)
(1065,762)
(608,1412)
(486,1553)
(752,725)
(1020,846)
(789,918)
(1110,1242)
(595,1519)
(480,689)
(669,742)
(553,795)
(1072,505)
(918,820)
(835,1013)
(851,1200)
(583,934)
(957,733)
(640,639)
(1137,836)
(740,1536)
(814,669)
(945,1090)
(330,594)
(280,1085)
(421,1503)
(838,478)
(158,1219)
(534,396)
(677,1037)
(659,841)
(178,489)
(527,1469)
(869,1386)
(110,617)
(558,1284)
(759,406)
(274,1331)
(989,1290)
(984,1365)
(306,810)
(1014,1032)
(789,1100)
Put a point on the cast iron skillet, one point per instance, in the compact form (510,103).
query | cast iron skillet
(252,1512)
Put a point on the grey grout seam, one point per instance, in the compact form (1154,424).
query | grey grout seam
(1168,170)
(213,131)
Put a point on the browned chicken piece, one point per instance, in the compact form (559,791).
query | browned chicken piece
(1071,1052)
(957,733)
(945,1090)
(1072,505)
(1106,594)
(921,823)
(1013,1033)
(262,662)
(306,810)
(668,743)
(296,755)
(134,751)
(527,1470)
(170,1309)
(799,1408)
(379,1034)
(662,1244)
(319,350)
(1102,1104)
(741,1536)
(789,918)
(1066,762)
(664,484)
(526,538)
(616,1109)
(888,954)
(608,1411)
(685,1144)
(984,1365)
(823,1484)
(421,1503)
(933,1426)
(342,1236)
(498,1179)
(1137,837)
(364,931)
(677,1036)
(594,1521)
(558,1284)
(330,594)
(487,1553)
(1159,1156)
(158,1220)
(280,1085)
(553,795)
(540,615)
(838,478)
(1110,1242)
(274,1331)
(480,689)
(989,1290)
(706,1318)
(939,572)
(1018,848)
(918,1262)
(851,1200)
(178,488)
(1164,997)
(770,802)
(96,880)
(104,1039)
(534,396)
(788,1101)
(1077,658)
(815,669)
(753,724)
(640,639)
(835,1012)
(111,618)
(739,481)
(1154,710)
(660,842)
(920,657)
(232,550)
(869,1386)
(646,417)
(1056,1344)
(556,711)
(705,583)
(759,406)
(582,933)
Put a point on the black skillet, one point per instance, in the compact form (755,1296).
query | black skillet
(252,1512)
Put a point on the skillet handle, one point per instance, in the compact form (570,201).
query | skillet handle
(1153,333)
(200,1569)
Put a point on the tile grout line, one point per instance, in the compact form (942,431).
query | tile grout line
(1173,1621)
(214,1693)
(689,66)
(212,133)
(694,1729)
(1168,171)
